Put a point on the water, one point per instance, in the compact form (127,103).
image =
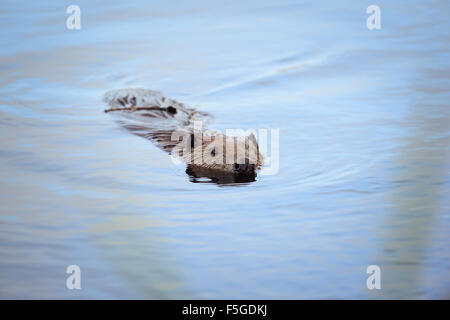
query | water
(364,124)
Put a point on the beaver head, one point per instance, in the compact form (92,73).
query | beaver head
(217,152)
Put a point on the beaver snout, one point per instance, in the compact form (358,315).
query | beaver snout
(244,168)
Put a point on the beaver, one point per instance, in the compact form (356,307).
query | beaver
(178,130)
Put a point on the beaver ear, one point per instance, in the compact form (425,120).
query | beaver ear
(252,138)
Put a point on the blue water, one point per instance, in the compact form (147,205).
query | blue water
(364,123)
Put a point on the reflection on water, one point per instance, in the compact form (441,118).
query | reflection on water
(206,176)
(364,126)
(415,202)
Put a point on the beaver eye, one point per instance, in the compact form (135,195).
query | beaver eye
(213,152)
(171,110)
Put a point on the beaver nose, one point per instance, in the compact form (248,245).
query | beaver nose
(244,167)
